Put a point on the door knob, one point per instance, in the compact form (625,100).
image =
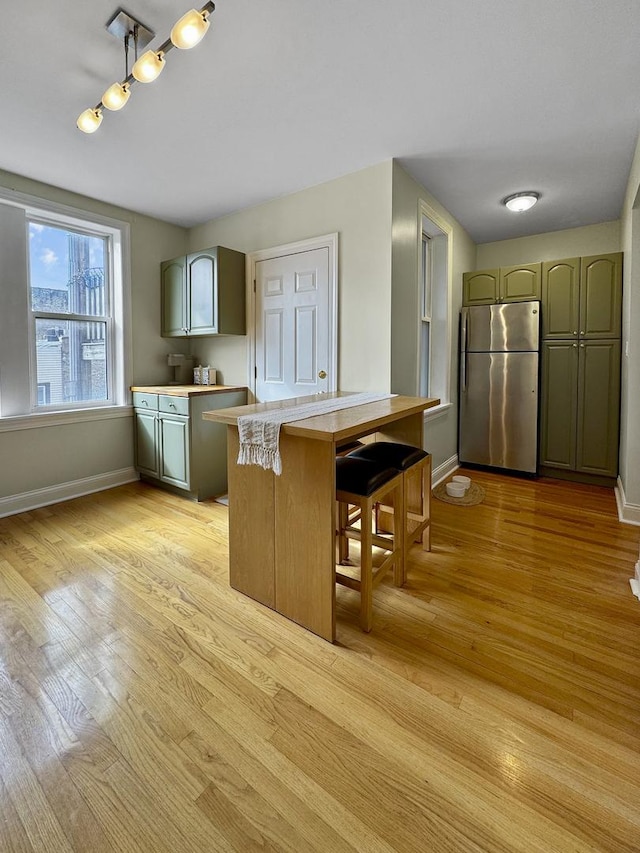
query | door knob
(322,374)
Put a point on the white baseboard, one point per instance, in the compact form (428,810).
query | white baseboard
(445,470)
(65,491)
(627,513)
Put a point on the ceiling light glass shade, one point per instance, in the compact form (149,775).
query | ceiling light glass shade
(89,121)
(519,202)
(116,96)
(149,66)
(190,29)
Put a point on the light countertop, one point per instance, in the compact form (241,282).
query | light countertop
(334,426)
(187,390)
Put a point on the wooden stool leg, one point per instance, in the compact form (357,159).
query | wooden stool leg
(343,542)
(399,535)
(366,568)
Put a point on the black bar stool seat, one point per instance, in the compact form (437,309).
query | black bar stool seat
(364,483)
(415,465)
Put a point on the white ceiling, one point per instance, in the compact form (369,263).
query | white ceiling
(476,100)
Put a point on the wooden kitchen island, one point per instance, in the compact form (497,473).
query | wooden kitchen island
(282,528)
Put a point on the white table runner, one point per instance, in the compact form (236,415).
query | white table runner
(260,433)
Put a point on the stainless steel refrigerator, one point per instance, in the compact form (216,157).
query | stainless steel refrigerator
(499,350)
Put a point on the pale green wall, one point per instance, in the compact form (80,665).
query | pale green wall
(358,207)
(33,459)
(441,434)
(570,243)
(630,413)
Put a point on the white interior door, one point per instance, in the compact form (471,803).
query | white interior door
(295,337)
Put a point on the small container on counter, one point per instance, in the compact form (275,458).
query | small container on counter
(204,375)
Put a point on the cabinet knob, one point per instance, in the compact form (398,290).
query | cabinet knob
(322,374)
(576,332)
(582,346)
(581,331)
(575,346)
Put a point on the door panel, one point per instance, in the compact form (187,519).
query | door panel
(499,410)
(292,325)
(601,296)
(146,424)
(274,346)
(598,407)
(174,450)
(480,288)
(560,298)
(559,404)
(520,283)
(174,311)
(203,297)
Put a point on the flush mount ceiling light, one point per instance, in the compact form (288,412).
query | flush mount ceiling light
(186,33)
(519,202)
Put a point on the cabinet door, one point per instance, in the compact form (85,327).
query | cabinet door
(559,404)
(202,293)
(601,296)
(560,298)
(598,407)
(174,450)
(520,283)
(146,438)
(174,303)
(480,288)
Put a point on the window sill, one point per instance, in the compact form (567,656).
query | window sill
(437,411)
(37,420)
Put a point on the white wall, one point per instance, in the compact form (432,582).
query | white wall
(441,433)
(630,413)
(358,207)
(45,457)
(570,243)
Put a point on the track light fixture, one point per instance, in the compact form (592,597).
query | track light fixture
(186,33)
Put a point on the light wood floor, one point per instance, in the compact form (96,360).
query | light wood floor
(146,706)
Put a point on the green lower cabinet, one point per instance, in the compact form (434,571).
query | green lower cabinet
(146,442)
(174,444)
(176,448)
(580,413)
(598,407)
(559,404)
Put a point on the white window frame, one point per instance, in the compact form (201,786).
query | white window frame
(18,408)
(436,311)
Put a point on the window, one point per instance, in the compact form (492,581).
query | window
(69,286)
(425,328)
(435,338)
(62,325)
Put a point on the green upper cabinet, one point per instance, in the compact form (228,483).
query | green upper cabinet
(204,294)
(601,296)
(174,297)
(582,297)
(480,288)
(520,283)
(560,298)
(508,284)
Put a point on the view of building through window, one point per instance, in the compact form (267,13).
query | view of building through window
(68,279)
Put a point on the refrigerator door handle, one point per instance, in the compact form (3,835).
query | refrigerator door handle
(463,350)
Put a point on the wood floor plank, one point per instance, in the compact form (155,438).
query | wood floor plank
(146,706)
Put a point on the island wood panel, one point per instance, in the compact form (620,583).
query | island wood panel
(305,534)
(251,526)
